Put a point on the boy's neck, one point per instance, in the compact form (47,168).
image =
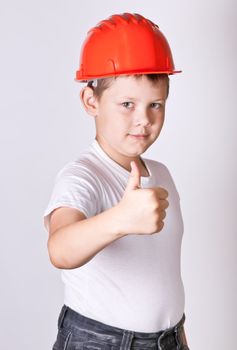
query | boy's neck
(123,161)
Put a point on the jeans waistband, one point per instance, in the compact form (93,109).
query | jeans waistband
(164,339)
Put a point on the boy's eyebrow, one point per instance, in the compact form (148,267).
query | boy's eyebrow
(129,98)
(135,99)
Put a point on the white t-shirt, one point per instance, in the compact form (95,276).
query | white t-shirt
(135,282)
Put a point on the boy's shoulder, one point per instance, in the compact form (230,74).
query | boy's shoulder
(78,167)
(83,166)
(156,165)
(162,173)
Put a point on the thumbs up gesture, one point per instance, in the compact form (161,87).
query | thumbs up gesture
(141,211)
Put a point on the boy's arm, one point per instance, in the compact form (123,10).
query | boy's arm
(74,239)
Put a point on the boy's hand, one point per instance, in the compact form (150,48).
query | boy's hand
(141,211)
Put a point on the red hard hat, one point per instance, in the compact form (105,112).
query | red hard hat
(124,44)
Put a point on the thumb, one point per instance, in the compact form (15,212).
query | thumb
(134,179)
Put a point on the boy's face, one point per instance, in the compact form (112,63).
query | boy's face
(130,107)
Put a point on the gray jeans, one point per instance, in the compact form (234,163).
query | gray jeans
(77,332)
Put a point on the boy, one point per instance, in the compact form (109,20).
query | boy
(120,262)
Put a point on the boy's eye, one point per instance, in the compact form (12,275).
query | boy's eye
(156,105)
(127,104)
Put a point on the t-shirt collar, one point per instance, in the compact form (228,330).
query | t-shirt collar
(100,151)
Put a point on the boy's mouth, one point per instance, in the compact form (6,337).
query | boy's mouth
(140,136)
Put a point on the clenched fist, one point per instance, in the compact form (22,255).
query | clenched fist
(141,210)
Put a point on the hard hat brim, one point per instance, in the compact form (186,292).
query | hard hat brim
(91,77)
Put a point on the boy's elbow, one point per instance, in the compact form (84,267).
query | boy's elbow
(54,258)
(57,259)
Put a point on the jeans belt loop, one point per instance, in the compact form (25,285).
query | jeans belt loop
(177,332)
(62,316)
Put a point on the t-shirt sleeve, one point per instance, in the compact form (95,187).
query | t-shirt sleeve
(74,187)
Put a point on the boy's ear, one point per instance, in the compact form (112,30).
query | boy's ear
(88,100)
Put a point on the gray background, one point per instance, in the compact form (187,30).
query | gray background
(43,126)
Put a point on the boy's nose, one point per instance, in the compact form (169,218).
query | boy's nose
(142,119)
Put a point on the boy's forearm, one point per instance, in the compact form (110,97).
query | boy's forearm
(74,245)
